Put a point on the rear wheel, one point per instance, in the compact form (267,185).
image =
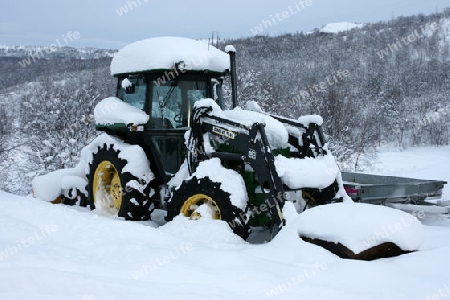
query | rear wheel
(108,188)
(196,197)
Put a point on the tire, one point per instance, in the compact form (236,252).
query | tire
(314,197)
(107,187)
(195,192)
(73,196)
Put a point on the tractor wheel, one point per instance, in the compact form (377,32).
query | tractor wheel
(195,192)
(73,196)
(314,197)
(108,189)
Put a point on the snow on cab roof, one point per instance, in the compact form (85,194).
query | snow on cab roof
(164,52)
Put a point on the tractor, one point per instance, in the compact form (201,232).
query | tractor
(169,143)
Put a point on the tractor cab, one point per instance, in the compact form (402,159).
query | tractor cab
(169,102)
(164,77)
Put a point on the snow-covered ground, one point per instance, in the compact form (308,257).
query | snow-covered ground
(59,252)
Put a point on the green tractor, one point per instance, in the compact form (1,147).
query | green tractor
(170,144)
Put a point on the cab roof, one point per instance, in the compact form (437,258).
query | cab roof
(163,53)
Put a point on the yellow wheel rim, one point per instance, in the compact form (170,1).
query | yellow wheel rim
(107,186)
(194,202)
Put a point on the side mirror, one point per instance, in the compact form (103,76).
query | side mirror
(131,89)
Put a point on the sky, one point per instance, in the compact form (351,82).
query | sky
(112,24)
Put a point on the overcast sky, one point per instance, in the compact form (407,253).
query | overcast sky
(103,24)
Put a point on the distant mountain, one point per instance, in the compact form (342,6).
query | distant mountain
(21,64)
(80,53)
(339,27)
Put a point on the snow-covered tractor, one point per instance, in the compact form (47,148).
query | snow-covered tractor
(169,143)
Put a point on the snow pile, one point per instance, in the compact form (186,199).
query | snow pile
(165,52)
(361,226)
(231,181)
(113,110)
(296,173)
(339,27)
(49,186)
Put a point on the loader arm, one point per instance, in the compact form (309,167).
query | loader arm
(252,147)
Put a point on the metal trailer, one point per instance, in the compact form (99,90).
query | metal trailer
(408,194)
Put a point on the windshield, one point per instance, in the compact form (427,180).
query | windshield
(173,101)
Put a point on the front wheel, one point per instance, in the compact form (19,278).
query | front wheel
(196,197)
(314,197)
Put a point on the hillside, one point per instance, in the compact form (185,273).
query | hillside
(377,85)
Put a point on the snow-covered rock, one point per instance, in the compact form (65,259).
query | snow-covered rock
(360,226)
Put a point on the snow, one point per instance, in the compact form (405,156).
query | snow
(310,172)
(231,181)
(370,225)
(276,132)
(253,106)
(444,31)
(208,102)
(74,181)
(339,27)
(48,187)
(308,119)
(137,162)
(126,83)
(179,176)
(421,162)
(61,252)
(230,48)
(113,110)
(164,53)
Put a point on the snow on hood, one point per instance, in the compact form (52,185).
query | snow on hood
(113,110)
(165,52)
(360,226)
(276,132)
(339,27)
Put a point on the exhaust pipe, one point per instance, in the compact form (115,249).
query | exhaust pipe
(232,52)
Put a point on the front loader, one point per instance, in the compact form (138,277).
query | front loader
(168,143)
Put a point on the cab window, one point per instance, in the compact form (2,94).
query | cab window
(133,90)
